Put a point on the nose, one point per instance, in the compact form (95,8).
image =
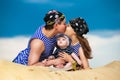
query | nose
(65,25)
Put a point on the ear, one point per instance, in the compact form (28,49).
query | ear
(55,26)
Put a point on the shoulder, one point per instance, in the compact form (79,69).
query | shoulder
(76,45)
(36,43)
(37,46)
(70,48)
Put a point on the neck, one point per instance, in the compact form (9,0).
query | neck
(63,47)
(49,33)
(74,39)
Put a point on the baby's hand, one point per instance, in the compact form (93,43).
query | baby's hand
(49,62)
(65,56)
(51,57)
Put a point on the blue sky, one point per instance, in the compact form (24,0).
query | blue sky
(23,17)
(20,18)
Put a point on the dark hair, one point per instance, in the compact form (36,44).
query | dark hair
(53,17)
(79,25)
(86,47)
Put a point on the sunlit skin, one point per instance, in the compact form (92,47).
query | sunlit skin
(37,45)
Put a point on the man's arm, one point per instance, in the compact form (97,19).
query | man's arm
(37,47)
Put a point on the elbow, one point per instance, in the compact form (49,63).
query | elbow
(31,63)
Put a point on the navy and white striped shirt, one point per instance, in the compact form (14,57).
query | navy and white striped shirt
(49,43)
(76,48)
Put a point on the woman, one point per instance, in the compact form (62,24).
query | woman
(76,30)
(42,43)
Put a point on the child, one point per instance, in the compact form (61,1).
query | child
(63,45)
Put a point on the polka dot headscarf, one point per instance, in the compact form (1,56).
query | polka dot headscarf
(79,25)
(53,16)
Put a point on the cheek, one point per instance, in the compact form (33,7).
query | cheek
(68,31)
(66,43)
(62,28)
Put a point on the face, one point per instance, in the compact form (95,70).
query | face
(61,28)
(69,31)
(62,42)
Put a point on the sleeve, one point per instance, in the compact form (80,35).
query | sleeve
(55,53)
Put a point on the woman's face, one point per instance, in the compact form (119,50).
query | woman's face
(69,31)
(61,28)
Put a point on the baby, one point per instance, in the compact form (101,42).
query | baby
(62,45)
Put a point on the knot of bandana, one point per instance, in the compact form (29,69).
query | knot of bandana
(53,16)
(79,25)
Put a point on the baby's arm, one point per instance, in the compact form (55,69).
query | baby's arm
(76,58)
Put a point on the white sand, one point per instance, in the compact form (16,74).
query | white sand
(12,71)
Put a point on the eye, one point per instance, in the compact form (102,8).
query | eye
(64,39)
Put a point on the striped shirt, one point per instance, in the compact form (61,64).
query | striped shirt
(76,48)
(49,43)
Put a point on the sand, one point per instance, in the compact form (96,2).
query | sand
(13,71)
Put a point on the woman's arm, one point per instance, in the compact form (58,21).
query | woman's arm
(37,47)
(76,58)
(83,59)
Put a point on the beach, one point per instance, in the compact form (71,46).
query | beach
(13,71)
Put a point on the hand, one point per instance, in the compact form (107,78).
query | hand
(66,57)
(50,62)
(51,57)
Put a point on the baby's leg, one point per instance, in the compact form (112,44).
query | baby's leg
(68,65)
(59,66)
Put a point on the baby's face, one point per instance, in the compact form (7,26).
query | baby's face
(62,42)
